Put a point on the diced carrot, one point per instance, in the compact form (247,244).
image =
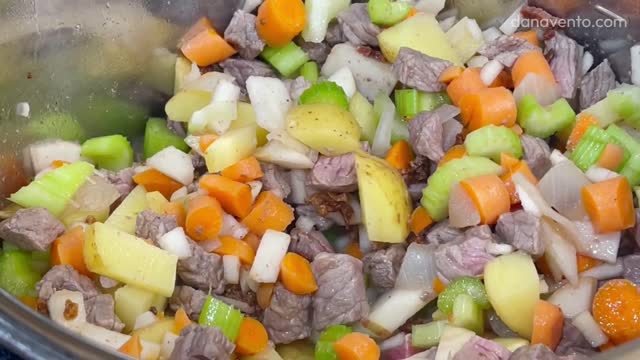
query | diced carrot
(450,74)
(235,197)
(456,152)
(583,123)
(543,267)
(517,129)
(612,157)
(268,212)
(353,249)
(609,205)
(615,308)
(201,25)
(412,13)
(176,209)
(438,285)
(236,247)
(608,346)
(531,36)
(296,275)
(508,162)
(419,220)
(503,80)
(207,48)
(263,295)
(58,163)
(400,155)
(181,321)
(532,62)
(206,140)
(244,170)
(489,106)
(279,21)
(468,82)
(68,250)
(585,263)
(252,337)
(154,180)
(547,324)
(204,218)
(522,168)
(356,346)
(253,240)
(29,301)
(133,347)
(490,196)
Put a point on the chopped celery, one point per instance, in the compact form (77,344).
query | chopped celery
(325,92)
(216,313)
(113,152)
(287,59)
(430,101)
(467,314)
(407,102)
(40,261)
(55,125)
(335,332)
(631,170)
(324,347)
(387,12)
(399,130)
(625,101)
(54,190)
(362,111)
(9,247)
(463,285)
(544,122)
(427,335)
(491,141)
(590,147)
(310,71)
(435,197)
(157,137)
(624,139)
(17,275)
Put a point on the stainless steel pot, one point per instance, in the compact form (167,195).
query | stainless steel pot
(108,64)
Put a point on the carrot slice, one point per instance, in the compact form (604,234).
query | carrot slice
(181,321)
(356,346)
(522,168)
(468,82)
(133,347)
(585,263)
(400,155)
(353,249)
(612,157)
(547,324)
(29,301)
(199,26)
(531,36)
(450,74)
(508,162)
(206,140)
(610,205)
(244,170)
(207,48)
(68,250)
(532,62)
(296,275)
(489,106)
(236,247)
(204,218)
(419,220)
(438,285)
(235,197)
(154,180)
(583,123)
(252,240)
(252,337)
(412,13)
(58,163)
(456,152)
(263,295)
(503,80)
(517,129)
(279,21)
(490,196)
(176,209)
(268,212)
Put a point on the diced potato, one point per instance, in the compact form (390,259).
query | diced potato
(384,199)
(513,289)
(155,332)
(124,216)
(466,38)
(132,301)
(327,129)
(246,118)
(126,258)
(156,201)
(422,33)
(183,104)
(230,148)
(159,302)
(183,68)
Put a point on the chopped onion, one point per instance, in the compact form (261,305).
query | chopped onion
(448,23)
(194,143)
(537,86)
(246,282)
(430,6)
(231,265)
(562,187)
(256,187)
(418,269)
(382,139)
(107,282)
(145,319)
(226,91)
(560,253)
(490,72)
(557,157)
(42,154)
(590,329)
(205,82)
(193,75)
(544,287)
(167,345)
(598,174)
(499,249)
(231,227)
(210,245)
(363,237)
(605,271)
(23,109)
(402,349)
(574,300)
(477,61)
(278,153)
(344,78)
(635,65)
(394,308)
(179,194)
(140,169)
(216,117)
(491,34)
(305,223)
(271,251)
(587,62)
(298,186)
(175,242)
(598,246)
(511,25)
(462,210)
(173,163)
(392,342)
(270,99)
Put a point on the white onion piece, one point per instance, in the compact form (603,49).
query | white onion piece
(173,163)
(141,169)
(210,245)
(305,223)
(231,265)
(490,72)
(590,329)
(42,154)
(478,61)
(363,238)
(256,187)
(587,62)
(298,186)
(560,253)
(344,78)
(544,287)
(179,194)
(462,210)
(107,282)
(145,319)
(557,157)
(562,187)
(635,65)
(448,23)
(392,342)
(544,91)
(231,227)
(246,282)
(394,308)
(598,246)
(597,174)
(167,345)
(271,251)
(291,142)
(418,269)
(270,99)
(430,6)
(175,242)
(382,139)
(499,249)
(511,25)
(194,143)
(491,34)
(605,271)
(574,300)
(278,153)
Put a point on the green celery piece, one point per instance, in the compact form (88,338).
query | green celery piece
(335,332)
(9,247)
(324,351)
(287,59)
(365,116)
(157,137)
(310,71)
(631,170)
(636,190)
(543,122)
(463,285)
(435,197)
(430,101)
(55,125)
(216,313)
(54,190)
(17,275)
(113,152)
(325,92)
(428,335)
(407,102)
(41,261)
(387,12)
(625,101)
(324,347)
(490,141)
(621,137)
(590,147)
(399,130)
(467,314)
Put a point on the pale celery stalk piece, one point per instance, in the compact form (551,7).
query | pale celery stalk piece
(124,216)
